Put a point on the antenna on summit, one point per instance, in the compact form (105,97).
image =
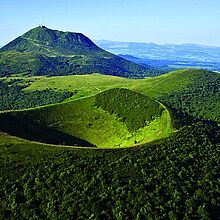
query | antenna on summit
(40,22)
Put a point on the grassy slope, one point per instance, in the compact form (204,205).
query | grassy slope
(8,139)
(177,82)
(86,85)
(83,120)
(93,84)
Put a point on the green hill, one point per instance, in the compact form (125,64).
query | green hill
(42,51)
(89,120)
(131,107)
(195,92)
(200,98)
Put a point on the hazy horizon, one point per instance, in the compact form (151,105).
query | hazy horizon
(156,21)
(141,42)
(160,44)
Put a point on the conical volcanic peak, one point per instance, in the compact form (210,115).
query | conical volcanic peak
(43,51)
(52,42)
(44,34)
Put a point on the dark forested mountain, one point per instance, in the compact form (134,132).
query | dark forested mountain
(42,51)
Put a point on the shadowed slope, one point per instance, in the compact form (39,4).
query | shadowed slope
(84,120)
(26,128)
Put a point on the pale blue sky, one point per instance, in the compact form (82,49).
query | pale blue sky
(158,21)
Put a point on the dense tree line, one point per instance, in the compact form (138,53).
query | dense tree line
(12,96)
(140,110)
(26,63)
(199,99)
(175,178)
